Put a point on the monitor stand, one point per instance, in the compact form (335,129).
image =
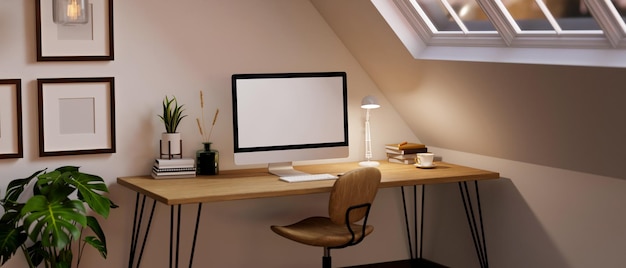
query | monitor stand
(284,169)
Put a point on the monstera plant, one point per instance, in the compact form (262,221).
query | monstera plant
(45,222)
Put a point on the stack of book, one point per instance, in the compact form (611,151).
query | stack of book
(173,168)
(404,152)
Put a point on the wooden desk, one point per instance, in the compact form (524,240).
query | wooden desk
(259,183)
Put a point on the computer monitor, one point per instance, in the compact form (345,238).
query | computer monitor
(279,118)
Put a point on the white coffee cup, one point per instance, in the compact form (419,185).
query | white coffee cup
(425,159)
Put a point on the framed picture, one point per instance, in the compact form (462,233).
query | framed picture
(76,116)
(11,119)
(92,41)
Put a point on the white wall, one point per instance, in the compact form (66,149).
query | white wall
(179,48)
(535,216)
(531,123)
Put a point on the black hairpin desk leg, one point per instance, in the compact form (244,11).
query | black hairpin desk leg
(137,222)
(136,233)
(195,234)
(477,229)
(416,253)
(175,252)
(474,219)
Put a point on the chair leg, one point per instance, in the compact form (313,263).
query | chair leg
(326,260)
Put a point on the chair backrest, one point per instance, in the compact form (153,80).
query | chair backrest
(353,188)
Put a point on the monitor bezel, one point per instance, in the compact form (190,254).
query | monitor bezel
(286,148)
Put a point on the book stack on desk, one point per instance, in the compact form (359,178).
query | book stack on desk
(173,168)
(404,152)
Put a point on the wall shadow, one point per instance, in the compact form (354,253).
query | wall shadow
(514,235)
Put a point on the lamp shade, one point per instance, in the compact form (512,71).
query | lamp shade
(369,102)
(68,12)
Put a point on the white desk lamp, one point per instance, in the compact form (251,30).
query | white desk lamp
(368,103)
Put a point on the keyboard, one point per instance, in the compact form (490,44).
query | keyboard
(308,177)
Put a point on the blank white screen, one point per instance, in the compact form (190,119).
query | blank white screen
(289,111)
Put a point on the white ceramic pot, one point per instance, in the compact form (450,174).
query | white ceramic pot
(170,143)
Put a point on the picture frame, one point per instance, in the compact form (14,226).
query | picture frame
(76,116)
(89,42)
(11,139)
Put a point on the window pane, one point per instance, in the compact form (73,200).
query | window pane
(570,15)
(620,6)
(438,15)
(472,15)
(528,15)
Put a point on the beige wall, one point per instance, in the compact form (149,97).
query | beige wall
(546,212)
(179,48)
(534,123)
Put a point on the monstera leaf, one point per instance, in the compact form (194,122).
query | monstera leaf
(53,221)
(11,239)
(54,215)
(99,241)
(12,234)
(65,180)
(15,189)
(90,188)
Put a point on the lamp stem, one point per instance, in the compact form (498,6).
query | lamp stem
(368,137)
(368,143)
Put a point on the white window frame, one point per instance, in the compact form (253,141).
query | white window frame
(586,48)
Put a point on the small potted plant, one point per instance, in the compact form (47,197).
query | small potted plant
(53,216)
(171,117)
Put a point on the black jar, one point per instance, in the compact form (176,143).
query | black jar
(207,160)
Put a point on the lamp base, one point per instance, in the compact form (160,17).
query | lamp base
(369,163)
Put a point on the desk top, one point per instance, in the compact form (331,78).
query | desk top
(259,183)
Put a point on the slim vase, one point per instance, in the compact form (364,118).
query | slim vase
(207,160)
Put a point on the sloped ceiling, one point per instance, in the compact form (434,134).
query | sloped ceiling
(542,114)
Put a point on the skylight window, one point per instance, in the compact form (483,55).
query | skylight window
(428,27)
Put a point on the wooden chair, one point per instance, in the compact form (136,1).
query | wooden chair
(350,202)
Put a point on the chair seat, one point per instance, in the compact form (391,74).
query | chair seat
(321,232)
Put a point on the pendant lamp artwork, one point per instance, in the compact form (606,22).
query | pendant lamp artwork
(74,30)
(68,12)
